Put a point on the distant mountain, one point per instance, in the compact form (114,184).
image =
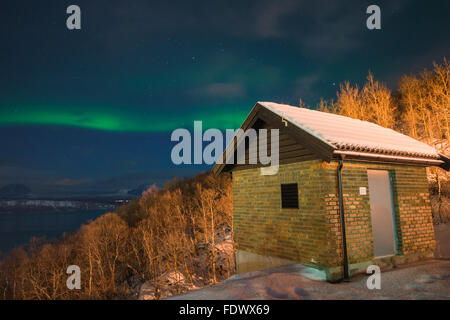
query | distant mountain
(14,191)
(141,188)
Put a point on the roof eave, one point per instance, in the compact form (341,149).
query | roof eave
(390,158)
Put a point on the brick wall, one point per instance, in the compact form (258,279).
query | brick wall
(261,226)
(311,234)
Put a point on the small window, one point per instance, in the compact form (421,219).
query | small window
(289,196)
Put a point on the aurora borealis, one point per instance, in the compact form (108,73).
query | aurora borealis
(91,110)
(115,120)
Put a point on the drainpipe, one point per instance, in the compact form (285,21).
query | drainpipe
(341,210)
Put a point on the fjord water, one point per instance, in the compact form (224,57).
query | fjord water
(17,228)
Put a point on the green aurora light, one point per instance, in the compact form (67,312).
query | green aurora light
(119,120)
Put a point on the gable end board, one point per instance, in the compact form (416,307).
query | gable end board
(320,148)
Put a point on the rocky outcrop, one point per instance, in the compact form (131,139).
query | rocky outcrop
(175,282)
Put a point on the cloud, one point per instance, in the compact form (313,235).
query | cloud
(134,179)
(317,25)
(221,90)
(271,14)
(305,87)
(67,182)
(125,164)
(19,174)
(8,162)
(321,28)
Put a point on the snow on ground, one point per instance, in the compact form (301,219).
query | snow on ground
(426,280)
(423,280)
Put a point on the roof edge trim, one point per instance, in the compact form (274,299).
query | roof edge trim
(423,161)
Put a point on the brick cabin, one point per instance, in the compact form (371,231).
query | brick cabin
(334,171)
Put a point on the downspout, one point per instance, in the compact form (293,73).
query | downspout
(341,210)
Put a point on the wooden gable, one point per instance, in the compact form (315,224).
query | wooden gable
(295,145)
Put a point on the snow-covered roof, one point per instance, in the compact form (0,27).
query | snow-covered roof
(344,133)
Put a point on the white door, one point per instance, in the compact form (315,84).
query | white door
(381,212)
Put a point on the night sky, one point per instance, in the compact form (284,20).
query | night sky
(91,111)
